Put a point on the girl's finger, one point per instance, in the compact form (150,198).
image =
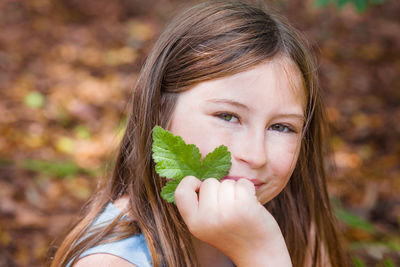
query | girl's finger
(186,196)
(226,193)
(208,195)
(244,189)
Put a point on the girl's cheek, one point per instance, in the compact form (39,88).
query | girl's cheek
(288,144)
(283,155)
(213,139)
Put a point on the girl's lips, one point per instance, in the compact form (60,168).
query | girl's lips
(257,183)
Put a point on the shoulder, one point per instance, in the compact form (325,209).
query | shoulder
(132,250)
(128,251)
(122,204)
(103,260)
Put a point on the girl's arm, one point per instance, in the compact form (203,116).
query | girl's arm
(228,216)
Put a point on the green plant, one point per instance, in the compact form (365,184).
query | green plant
(53,168)
(351,219)
(175,160)
(360,5)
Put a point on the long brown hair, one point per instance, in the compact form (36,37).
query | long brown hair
(211,40)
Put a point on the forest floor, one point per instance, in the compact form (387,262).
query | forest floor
(67,68)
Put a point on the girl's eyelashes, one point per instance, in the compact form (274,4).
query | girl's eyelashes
(229,117)
(282,128)
(232,118)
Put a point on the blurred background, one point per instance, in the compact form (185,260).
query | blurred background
(67,68)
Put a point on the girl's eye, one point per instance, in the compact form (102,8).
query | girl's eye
(282,128)
(228,117)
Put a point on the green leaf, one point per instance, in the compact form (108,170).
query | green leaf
(321,3)
(216,163)
(341,3)
(82,132)
(361,5)
(175,160)
(358,262)
(353,220)
(34,100)
(168,191)
(377,1)
(394,244)
(388,263)
(65,144)
(350,219)
(52,168)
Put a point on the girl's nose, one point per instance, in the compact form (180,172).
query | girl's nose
(251,149)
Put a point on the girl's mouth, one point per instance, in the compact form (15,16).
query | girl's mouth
(257,183)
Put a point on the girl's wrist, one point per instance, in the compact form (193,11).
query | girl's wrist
(264,258)
(269,254)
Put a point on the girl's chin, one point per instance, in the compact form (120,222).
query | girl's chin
(264,198)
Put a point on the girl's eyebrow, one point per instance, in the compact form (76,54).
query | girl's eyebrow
(229,102)
(297,116)
(291,115)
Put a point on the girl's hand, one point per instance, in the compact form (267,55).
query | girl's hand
(228,216)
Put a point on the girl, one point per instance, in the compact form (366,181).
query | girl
(224,72)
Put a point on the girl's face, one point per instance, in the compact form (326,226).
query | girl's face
(258,114)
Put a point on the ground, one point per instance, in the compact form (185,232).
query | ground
(67,68)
